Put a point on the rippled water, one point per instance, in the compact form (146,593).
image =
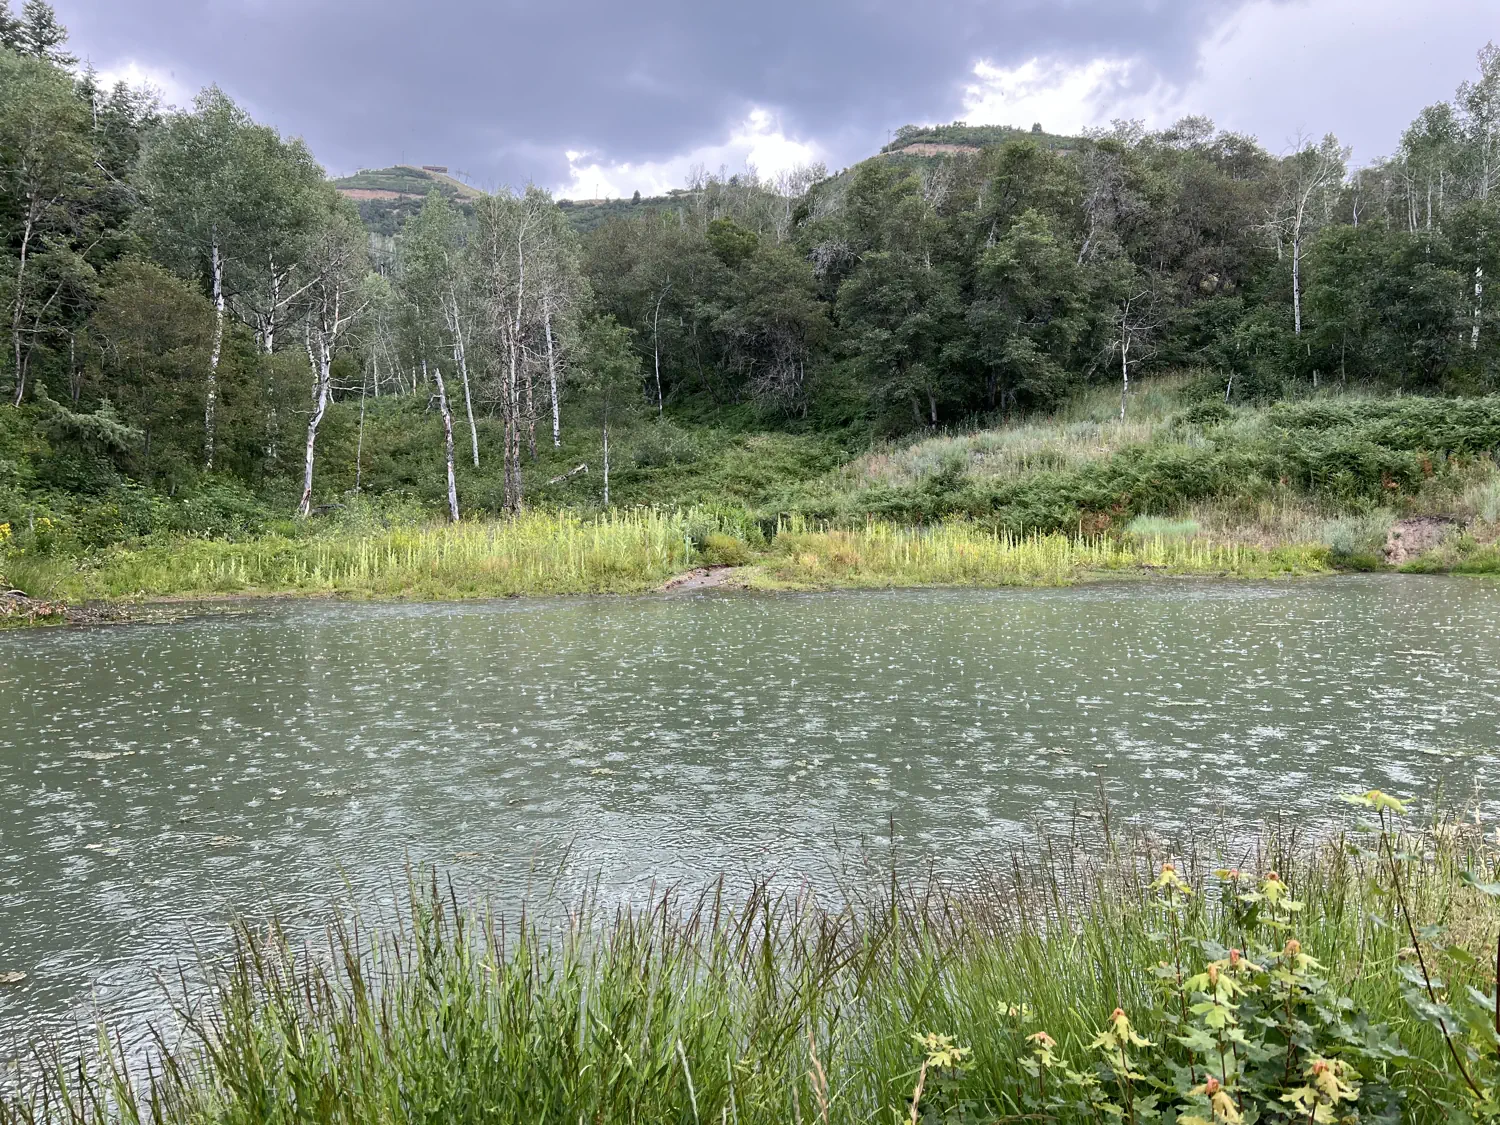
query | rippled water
(155,778)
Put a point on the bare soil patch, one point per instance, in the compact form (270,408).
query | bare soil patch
(705,578)
(1409,538)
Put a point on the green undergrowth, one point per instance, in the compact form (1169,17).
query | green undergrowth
(1343,456)
(1295,487)
(1077,980)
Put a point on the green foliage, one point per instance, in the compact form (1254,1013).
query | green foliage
(168,276)
(724,550)
(976,136)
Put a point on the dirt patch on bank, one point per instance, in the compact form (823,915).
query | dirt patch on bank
(1409,538)
(705,578)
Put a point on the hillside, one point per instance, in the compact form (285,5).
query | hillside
(387,196)
(958,138)
(586,214)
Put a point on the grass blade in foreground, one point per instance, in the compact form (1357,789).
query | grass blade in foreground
(1135,991)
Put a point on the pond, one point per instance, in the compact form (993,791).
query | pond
(156,778)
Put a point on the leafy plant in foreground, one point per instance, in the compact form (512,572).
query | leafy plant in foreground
(1466,1018)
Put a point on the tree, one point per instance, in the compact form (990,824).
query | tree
(434,273)
(610,371)
(442,390)
(899,315)
(49,175)
(1479,119)
(1307,181)
(10,28)
(518,262)
(772,326)
(1027,313)
(228,200)
(337,262)
(1135,320)
(151,332)
(192,182)
(560,283)
(37,33)
(1479,109)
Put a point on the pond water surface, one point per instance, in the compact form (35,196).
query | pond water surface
(155,778)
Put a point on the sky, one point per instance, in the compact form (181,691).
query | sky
(603,97)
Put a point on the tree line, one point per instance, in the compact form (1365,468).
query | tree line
(185,292)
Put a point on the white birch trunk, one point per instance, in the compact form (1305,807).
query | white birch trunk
(1478,307)
(461,357)
(513,428)
(320,361)
(656,348)
(514,498)
(19,306)
(268,337)
(1297,281)
(447,442)
(359,446)
(210,408)
(1124,370)
(268,342)
(552,376)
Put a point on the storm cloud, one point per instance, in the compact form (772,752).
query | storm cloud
(506,89)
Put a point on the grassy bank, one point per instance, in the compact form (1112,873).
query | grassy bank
(1328,458)
(1183,485)
(626,552)
(537,553)
(967,554)
(1337,983)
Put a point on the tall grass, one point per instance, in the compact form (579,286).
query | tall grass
(760,1009)
(538,552)
(965,553)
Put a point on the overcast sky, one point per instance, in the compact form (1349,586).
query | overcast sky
(606,96)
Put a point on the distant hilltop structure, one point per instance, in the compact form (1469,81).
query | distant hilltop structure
(441,169)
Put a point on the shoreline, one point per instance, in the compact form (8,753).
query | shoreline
(554,555)
(156,608)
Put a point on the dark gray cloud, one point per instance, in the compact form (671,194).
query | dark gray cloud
(501,88)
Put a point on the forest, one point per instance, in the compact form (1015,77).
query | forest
(202,338)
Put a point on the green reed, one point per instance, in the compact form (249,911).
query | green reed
(764,1007)
(537,552)
(963,553)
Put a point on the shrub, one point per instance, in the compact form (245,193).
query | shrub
(1208,413)
(724,550)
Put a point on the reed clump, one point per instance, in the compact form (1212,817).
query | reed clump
(1113,985)
(966,553)
(533,553)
